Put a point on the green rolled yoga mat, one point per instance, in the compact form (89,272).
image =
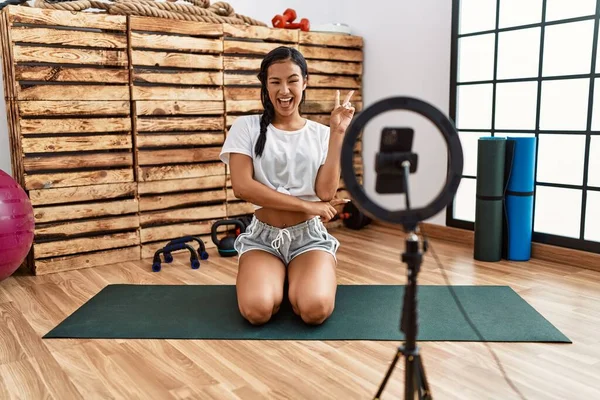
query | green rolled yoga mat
(362,312)
(489,205)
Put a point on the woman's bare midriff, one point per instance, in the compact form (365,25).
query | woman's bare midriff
(280,218)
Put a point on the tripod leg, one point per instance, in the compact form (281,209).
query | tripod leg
(410,381)
(424,392)
(388,374)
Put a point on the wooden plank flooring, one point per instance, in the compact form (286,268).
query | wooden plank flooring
(32,368)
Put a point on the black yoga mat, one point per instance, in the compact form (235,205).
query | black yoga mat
(489,204)
(363,312)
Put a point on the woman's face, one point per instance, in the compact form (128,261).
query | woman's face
(285,84)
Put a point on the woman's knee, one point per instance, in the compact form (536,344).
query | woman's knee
(314,310)
(258,310)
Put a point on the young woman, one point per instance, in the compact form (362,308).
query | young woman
(289,169)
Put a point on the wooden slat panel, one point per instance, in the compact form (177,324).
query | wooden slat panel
(82,211)
(179,107)
(241,93)
(334,67)
(179,200)
(178,77)
(165,157)
(192,28)
(81,193)
(168,232)
(57,180)
(320,118)
(148,249)
(334,81)
(72,108)
(69,38)
(194,139)
(231,63)
(260,32)
(57,55)
(181,171)
(42,126)
(177,93)
(39,16)
(60,264)
(241,208)
(73,92)
(329,94)
(5,57)
(70,74)
(180,185)
(330,39)
(179,124)
(76,143)
(81,245)
(232,78)
(230,119)
(179,43)
(243,106)
(253,48)
(53,231)
(179,60)
(326,53)
(183,215)
(100,160)
(326,106)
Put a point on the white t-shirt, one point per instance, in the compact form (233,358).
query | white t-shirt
(290,160)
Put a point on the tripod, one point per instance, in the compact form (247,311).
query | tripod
(415,381)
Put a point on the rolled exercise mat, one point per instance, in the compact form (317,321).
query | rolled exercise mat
(489,204)
(519,199)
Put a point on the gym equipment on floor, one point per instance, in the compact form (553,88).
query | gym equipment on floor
(181,244)
(352,217)
(225,244)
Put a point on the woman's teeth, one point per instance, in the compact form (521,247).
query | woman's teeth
(285,102)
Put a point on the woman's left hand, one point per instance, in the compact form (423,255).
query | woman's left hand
(342,114)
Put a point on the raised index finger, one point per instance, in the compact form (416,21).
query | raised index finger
(337,99)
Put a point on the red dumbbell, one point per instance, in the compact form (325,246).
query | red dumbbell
(279,21)
(303,25)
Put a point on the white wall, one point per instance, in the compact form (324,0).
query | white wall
(407,53)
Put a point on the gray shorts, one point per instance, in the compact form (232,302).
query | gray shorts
(287,243)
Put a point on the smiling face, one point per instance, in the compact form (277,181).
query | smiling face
(285,85)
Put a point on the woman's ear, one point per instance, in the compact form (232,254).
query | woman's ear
(305,83)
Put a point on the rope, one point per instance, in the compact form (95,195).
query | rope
(191,10)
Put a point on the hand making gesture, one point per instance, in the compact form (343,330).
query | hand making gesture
(342,114)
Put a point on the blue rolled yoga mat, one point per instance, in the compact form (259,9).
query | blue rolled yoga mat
(519,198)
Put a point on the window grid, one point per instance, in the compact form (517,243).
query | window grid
(579,243)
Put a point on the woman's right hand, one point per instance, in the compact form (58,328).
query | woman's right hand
(325,209)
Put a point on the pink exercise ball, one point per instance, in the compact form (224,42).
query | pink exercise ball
(16,225)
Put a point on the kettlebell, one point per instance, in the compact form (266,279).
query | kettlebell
(225,245)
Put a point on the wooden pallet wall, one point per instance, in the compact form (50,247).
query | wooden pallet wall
(68,95)
(177,98)
(116,123)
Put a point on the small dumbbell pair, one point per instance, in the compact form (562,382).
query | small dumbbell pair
(285,21)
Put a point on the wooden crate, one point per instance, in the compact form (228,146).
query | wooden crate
(177,93)
(70,127)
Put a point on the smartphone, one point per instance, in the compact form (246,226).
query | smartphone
(395,146)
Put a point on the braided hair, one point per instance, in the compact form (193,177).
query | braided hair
(278,54)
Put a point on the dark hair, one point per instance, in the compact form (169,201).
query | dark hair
(278,54)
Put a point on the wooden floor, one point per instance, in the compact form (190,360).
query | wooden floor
(32,368)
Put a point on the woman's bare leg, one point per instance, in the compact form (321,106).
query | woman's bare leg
(259,286)
(312,286)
